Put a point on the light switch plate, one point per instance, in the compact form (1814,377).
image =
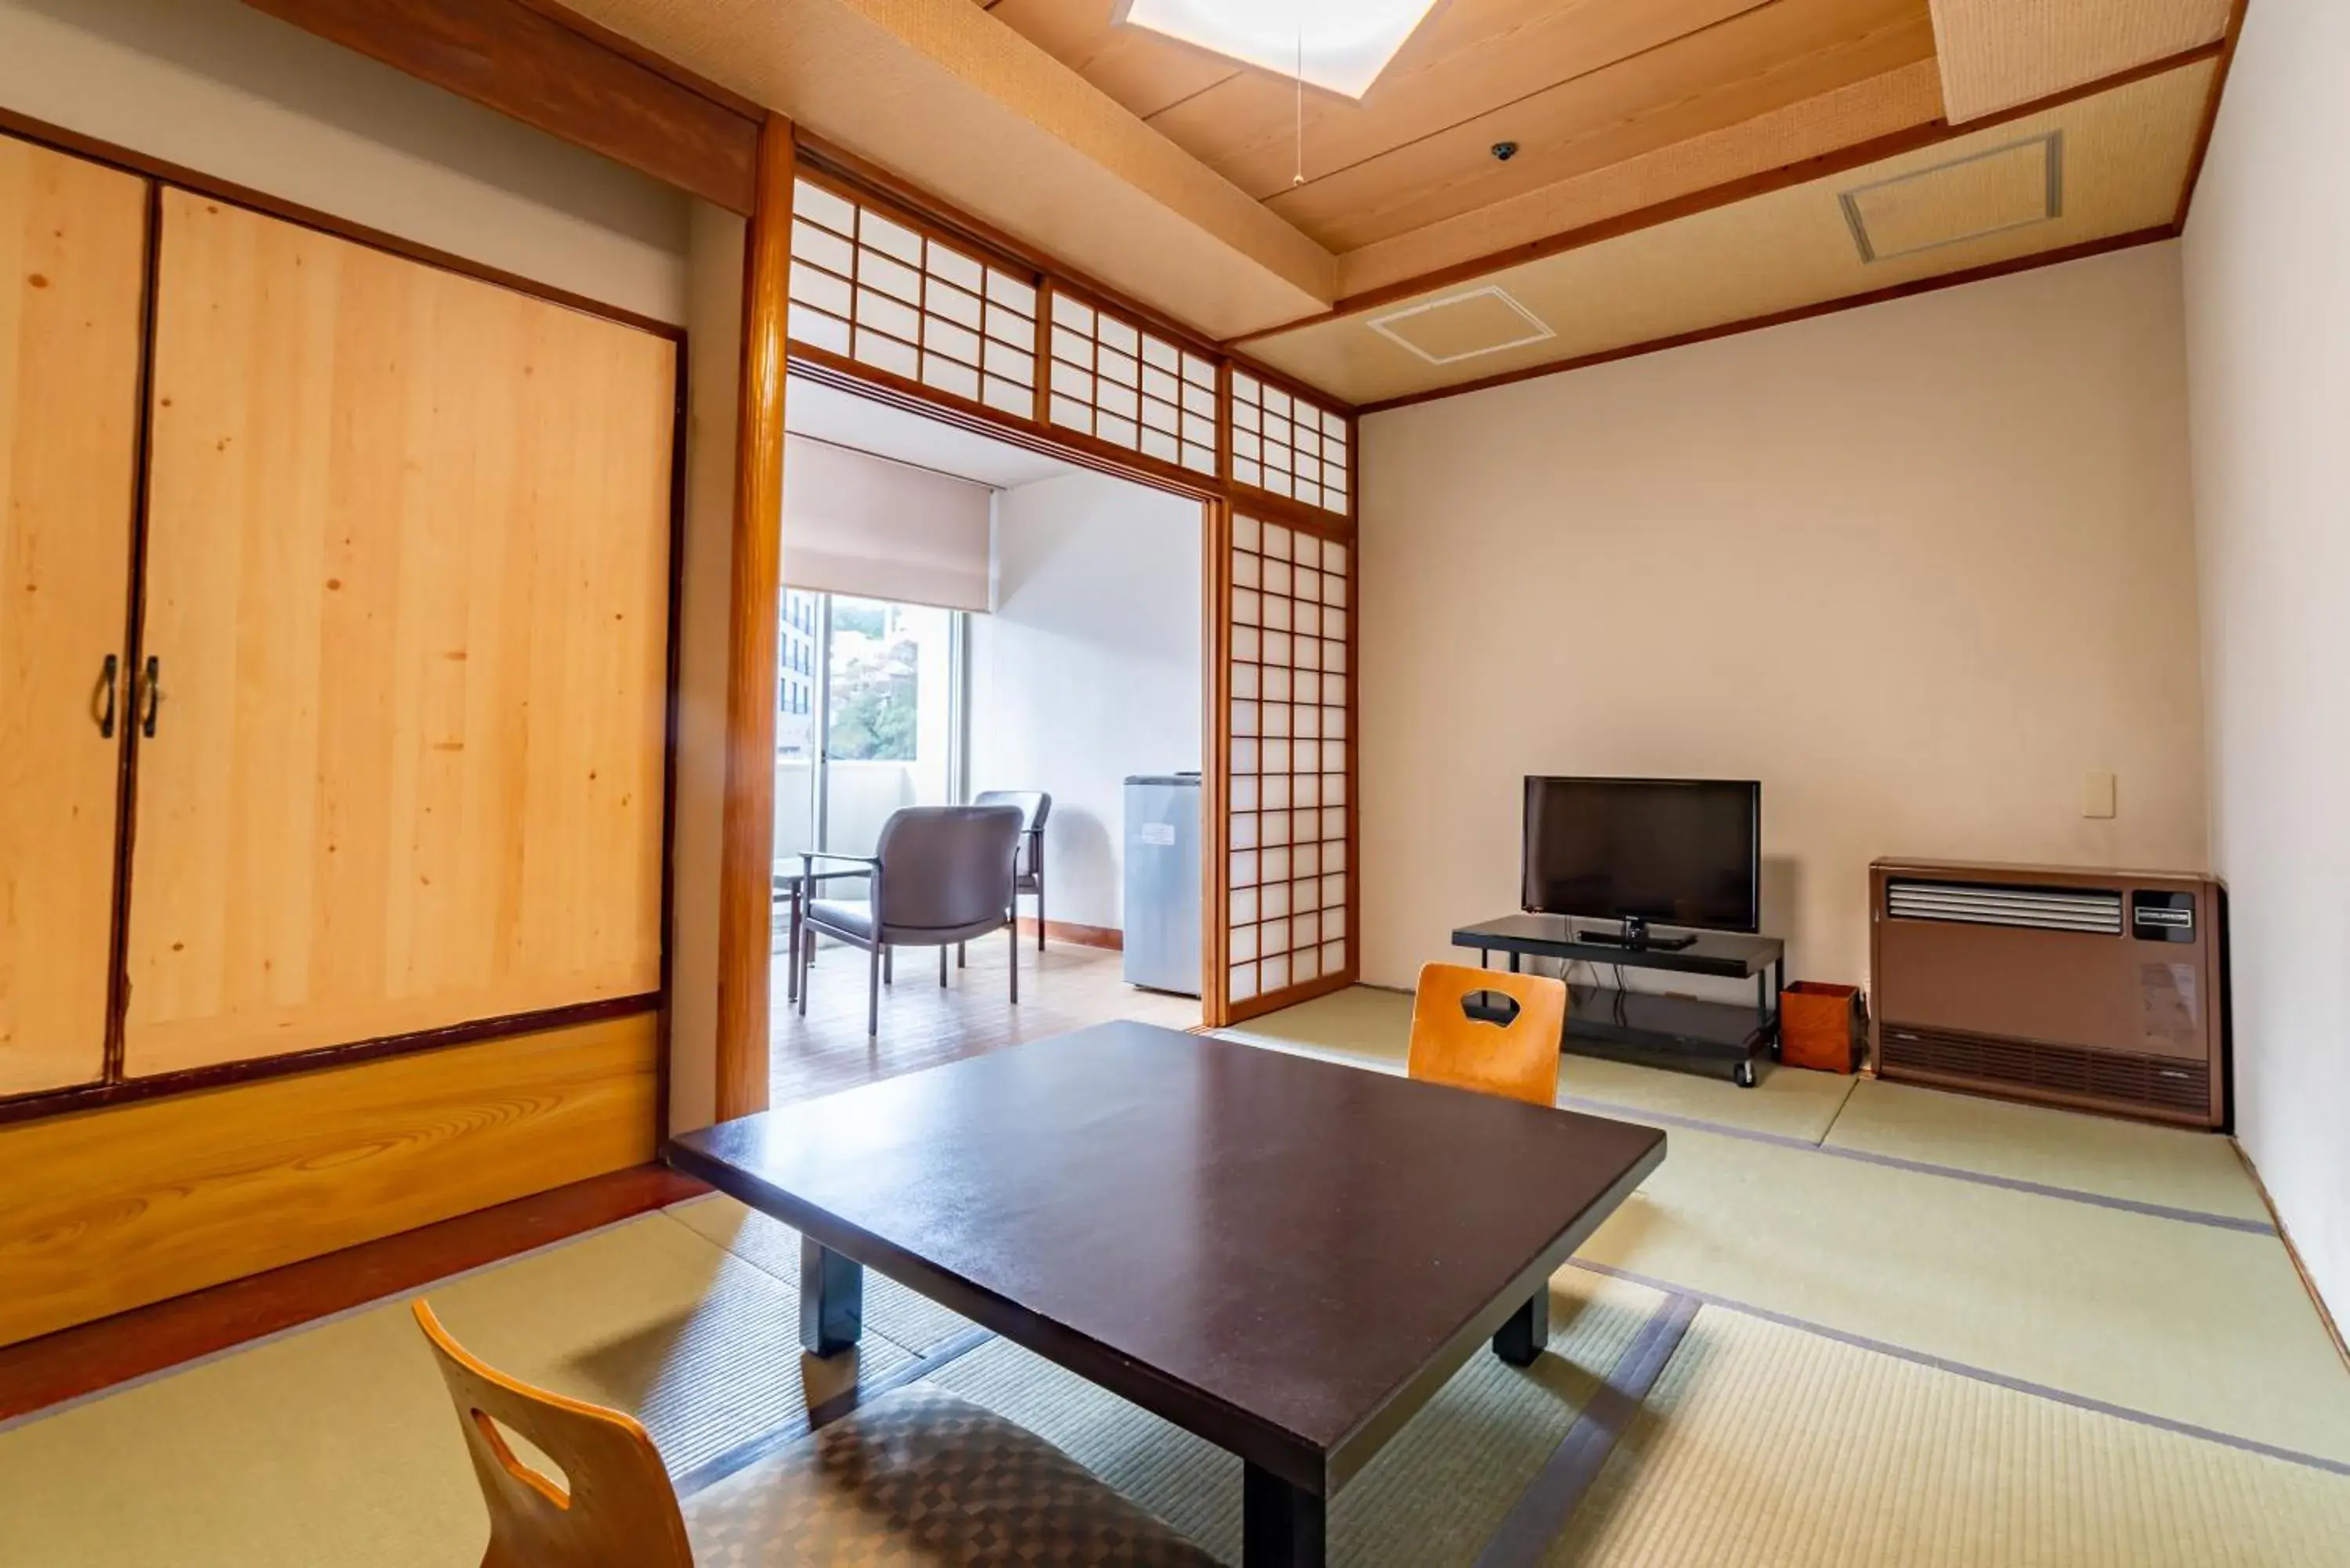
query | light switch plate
(2097,795)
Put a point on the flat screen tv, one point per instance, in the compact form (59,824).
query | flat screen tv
(1668,852)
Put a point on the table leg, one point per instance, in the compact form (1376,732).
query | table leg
(1524,1337)
(791,970)
(832,1299)
(1513,961)
(1281,1527)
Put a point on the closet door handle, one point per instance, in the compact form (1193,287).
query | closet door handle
(153,700)
(101,699)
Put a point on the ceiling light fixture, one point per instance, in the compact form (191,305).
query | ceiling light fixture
(1338,44)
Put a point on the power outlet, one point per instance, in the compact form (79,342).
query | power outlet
(2097,795)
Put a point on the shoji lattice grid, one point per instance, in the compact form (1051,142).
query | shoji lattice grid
(1286,750)
(887,295)
(1288,446)
(1115,381)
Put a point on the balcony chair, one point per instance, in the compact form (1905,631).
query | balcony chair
(939,875)
(1028,871)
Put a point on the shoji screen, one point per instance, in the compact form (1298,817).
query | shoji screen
(1289,754)
(1133,389)
(72,249)
(407,601)
(1287,446)
(867,287)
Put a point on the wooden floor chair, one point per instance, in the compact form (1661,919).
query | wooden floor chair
(918,1478)
(1483,1030)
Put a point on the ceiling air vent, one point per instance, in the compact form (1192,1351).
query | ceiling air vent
(1988,192)
(1983,903)
(1462,326)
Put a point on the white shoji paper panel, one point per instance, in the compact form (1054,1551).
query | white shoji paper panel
(1113,380)
(1289,446)
(1288,737)
(884,295)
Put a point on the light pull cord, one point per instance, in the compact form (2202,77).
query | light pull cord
(1299,179)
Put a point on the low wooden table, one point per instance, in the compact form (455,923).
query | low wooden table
(1283,1256)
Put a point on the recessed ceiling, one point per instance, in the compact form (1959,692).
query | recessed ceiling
(1339,45)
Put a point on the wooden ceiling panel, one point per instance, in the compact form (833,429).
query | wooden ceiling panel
(2125,154)
(1577,84)
(1996,54)
(1743,69)
(1469,59)
(1899,101)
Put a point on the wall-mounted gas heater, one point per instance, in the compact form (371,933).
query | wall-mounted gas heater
(2098,990)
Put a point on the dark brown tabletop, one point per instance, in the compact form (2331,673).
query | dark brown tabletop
(1284,1256)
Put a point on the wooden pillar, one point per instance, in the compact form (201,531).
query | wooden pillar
(747,829)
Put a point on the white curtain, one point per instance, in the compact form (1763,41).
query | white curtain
(864,525)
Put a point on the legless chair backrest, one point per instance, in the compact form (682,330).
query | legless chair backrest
(1497,1034)
(620,1512)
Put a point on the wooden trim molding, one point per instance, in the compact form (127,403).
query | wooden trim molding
(755,590)
(814,363)
(1109,939)
(838,370)
(258,1069)
(535,62)
(1215,749)
(75,1362)
(1782,317)
(2210,113)
(2308,1283)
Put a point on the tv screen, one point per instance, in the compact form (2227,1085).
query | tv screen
(1673,852)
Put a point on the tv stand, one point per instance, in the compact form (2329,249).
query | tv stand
(1716,1038)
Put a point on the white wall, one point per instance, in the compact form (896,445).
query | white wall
(1089,669)
(2268,311)
(1918,568)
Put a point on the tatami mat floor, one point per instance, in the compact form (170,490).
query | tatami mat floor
(1861,1324)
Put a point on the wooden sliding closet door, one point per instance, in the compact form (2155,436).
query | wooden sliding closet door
(406,598)
(72,263)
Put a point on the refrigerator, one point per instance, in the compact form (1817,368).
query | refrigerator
(1163,882)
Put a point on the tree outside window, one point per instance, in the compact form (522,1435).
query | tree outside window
(876,665)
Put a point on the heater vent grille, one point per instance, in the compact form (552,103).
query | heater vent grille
(2164,1082)
(1984,904)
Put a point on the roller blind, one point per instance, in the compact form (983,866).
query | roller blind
(859,525)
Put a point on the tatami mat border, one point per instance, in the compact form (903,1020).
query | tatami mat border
(1787,1140)
(775,1439)
(1980,1373)
(1540,1512)
(1926,1167)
